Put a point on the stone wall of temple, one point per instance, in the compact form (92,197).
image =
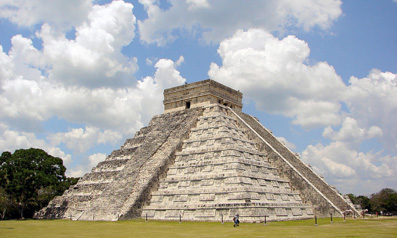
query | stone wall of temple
(324,198)
(118,187)
(200,94)
(218,173)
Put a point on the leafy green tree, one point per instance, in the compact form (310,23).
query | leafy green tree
(385,200)
(361,200)
(364,202)
(391,203)
(31,178)
(6,203)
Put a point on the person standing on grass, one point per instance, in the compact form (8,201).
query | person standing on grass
(236,220)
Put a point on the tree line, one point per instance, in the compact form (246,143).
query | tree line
(383,202)
(29,180)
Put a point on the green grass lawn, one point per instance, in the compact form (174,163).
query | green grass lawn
(139,228)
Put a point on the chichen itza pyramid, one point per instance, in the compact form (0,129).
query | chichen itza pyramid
(203,159)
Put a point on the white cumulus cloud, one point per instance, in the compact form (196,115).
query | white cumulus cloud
(93,58)
(79,139)
(26,104)
(94,159)
(339,163)
(166,76)
(84,81)
(195,4)
(11,140)
(372,101)
(352,133)
(221,18)
(275,75)
(59,13)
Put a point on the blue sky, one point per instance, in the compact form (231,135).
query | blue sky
(79,77)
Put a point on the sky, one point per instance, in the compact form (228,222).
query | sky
(79,77)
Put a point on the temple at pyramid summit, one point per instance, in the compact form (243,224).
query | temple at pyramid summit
(203,159)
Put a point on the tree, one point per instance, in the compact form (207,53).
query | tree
(361,200)
(32,178)
(364,202)
(5,203)
(385,200)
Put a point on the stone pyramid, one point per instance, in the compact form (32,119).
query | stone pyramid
(202,160)
(219,172)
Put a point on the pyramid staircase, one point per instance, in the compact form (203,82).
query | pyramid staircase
(313,188)
(220,172)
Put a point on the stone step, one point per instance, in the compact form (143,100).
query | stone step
(100,176)
(223,164)
(178,190)
(110,165)
(329,193)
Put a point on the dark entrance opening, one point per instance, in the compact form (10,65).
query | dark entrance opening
(187,105)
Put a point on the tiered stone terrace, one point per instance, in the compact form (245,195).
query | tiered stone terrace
(314,189)
(220,172)
(202,160)
(117,187)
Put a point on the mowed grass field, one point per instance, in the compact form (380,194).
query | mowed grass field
(379,227)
